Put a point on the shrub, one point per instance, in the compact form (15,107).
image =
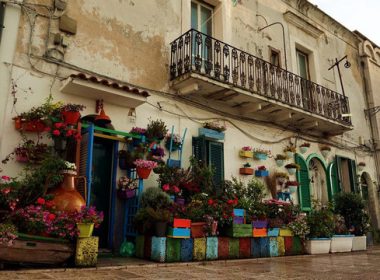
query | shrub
(321,221)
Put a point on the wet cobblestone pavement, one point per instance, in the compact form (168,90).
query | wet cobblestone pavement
(358,265)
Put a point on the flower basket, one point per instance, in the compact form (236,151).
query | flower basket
(211,134)
(279,162)
(246,154)
(198,229)
(303,149)
(71,117)
(261,156)
(246,171)
(22,158)
(143,173)
(262,173)
(292,171)
(85,229)
(126,194)
(289,154)
(33,126)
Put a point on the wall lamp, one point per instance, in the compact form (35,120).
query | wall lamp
(347,65)
(283,35)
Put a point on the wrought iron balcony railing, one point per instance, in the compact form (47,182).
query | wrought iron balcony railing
(196,52)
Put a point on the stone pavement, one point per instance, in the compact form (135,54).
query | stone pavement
(358,265)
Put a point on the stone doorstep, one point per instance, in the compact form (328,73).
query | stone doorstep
(150,264)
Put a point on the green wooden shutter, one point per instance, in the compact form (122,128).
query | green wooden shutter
(216,161)
(304,184)
(353,176)
(199,148)
(338,168)
(333,180)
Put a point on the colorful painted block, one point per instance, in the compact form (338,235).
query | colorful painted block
(239,212)
(87,251)
(187,247)
(288,240)
(281,246)
(239,220)
(181,223)
(240,230)
(273,232)
(147,247)
(244,247)
(264,247)
(261,173)
(246,154)
(285,232)
(223,247)
(259,232)
(158,249)
(234,248)
(256,247)
(260,224)
(140,246)
(179,232)
(297,248)
(273,247)
(212,248)
(199,249)
(173,250)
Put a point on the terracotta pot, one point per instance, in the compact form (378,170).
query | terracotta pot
(66,197)
(33,126)
(197,229)
(71,117)
(17,123)
(143,172)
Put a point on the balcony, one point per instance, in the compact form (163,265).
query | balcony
(226,78)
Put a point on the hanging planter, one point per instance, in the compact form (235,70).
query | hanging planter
(246,152)
(71,113)
(289,151)
(262,172)
(246,170)
(304,147)
(292,168)
(144,167)
(280,159)
(361,166)
(292,185)
(261,154)
(325,150)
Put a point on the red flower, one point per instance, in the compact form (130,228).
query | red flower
(176,189)
(230,201)
(40,201)
(47,129)
(69,133)
(58,125)
(77,136)
(56,132)
(51,217)
(49,204)
(210,202)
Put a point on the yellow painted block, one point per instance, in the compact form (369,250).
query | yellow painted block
(281,246)
(285,232)
(87,251)
(199,249)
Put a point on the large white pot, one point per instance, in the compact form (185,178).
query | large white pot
(341,243)
(359,243)
(318,246)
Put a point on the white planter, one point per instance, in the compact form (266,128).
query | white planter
(359,243)
(290,155)
(325,153)
(303,149)
(279,162)
(361,167)
(341,243)
(318,246)
(292,171)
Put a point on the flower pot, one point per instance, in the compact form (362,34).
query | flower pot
(60,144)
(341,243)
(33,126)
(85,229)
(303,149)
(285,232)
(197,229)
(292,171)
(262,173)
(160,229)
(290,155)
(261,156)
(143,173)
(181,223)
(246,171)
(18,123)
(71,117)
(123,163)
(292,189)
(246,154)
(325,153)
(360,168)
(125,194)
(259,232)
(359,243)
(316,246)
(22,158)
(279,162)
(238,220)
(180,201)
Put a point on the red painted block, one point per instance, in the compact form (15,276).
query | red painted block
(147,247)
(244,247)
(181,223)
(288,240)
(223,247)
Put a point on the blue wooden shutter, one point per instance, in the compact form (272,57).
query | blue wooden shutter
(86,149)
(304,184)
(353,177)
(216,161)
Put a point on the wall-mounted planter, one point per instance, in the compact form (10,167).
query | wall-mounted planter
(261,156)
(316,246)
(361,168)
(292,189)
(292,171)
(211,134)
(246,171)
(279,162)
(341,243)
(290,155)
(262,173)
(181,223)
(246,154)
(325,153)
(303,149)
(239,220)
(359,243)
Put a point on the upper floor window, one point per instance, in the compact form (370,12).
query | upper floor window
(274,57)
(303,64)
(2,12)
(201,17)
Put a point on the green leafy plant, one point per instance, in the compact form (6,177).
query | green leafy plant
(155,198)
(292,165)
(280,157)
(299,227)
(321,221)
(158,215)
(156,129)
(290,148)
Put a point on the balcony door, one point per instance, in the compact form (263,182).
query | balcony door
(303,71)
(201,17)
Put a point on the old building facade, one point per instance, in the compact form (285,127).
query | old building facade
(268,70)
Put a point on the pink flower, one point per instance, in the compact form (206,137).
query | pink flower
(166,187)
(58,125)
(176,189)
(51,217)
(56,132)
(6,190)
(6,178)
(40,201)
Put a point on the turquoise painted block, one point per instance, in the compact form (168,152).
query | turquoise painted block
(273,232)
(173,250)
(187,247)
(273,247)
(212,248)
(264,247)
(256,247)
(179,232)
(140,246)
(234,248)
(158,249)
(239,212)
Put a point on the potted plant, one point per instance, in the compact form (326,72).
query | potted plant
(280,158)
(352,207)
(212,130)
(299,227)
(361,166)
(304,147)
(61,134)
(144,167)
(156,130)
(71,113)
(171,190)
(292,186)
(274,225)
(281,177)
(292,168)
(8,233)
(341,241)
(126,187)
(196,211)
(138,133)
(325,150)
(246,152)
(29,151)
(261,171)
(87,219)
(261,154)
(321,223)
(289,151)
(160,218)
(246,169)
(174,140)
